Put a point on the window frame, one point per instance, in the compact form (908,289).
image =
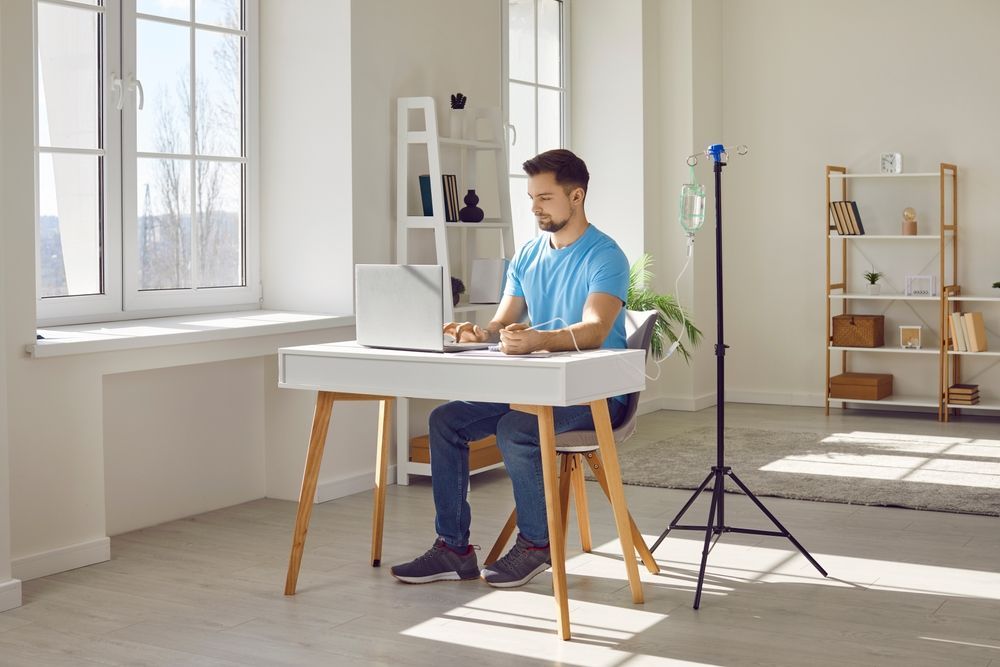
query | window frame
(121,299)
(565,68)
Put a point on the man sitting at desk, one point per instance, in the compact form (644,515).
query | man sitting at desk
(572,283)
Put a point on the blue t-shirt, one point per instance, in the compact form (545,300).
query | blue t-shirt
(555,282)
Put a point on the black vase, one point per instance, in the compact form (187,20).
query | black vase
(471,212)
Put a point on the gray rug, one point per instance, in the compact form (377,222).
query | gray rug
(917,472)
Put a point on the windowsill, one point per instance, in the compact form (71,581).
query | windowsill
(132,334)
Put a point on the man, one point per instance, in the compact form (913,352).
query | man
(572,283)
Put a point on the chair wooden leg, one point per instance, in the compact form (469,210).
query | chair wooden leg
(565,477)
(580,499)
(381,472)
(314,456)
(502,539)
(637,539)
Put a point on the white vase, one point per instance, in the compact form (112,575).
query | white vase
(874,289)
(456,123)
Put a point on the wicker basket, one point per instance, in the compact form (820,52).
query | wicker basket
(858,330)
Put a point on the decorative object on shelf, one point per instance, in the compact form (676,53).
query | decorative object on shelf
(847,218)
(909,221)
(858,330)
(891,163)
(921,286)
(471,212)
(861,386)
(457,287)
(909,336)
(641,297)
(874,289)
(456,119)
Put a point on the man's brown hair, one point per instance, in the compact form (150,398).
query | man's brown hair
(569,170)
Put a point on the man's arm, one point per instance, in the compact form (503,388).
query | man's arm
(599,314)
(510,311)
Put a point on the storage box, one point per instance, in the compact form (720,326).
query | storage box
(861,386)
(858,330)
(482,453)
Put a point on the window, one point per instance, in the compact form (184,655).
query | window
(537,101)
(143,154)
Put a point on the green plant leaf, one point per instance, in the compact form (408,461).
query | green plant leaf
(640,297)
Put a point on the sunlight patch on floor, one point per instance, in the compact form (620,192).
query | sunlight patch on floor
(978,474)
(918,444)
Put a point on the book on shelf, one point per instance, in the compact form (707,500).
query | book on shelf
(963,389)
(958,342)
(975,331)
(450,197)
(425,194)
(963,401)
(847,218)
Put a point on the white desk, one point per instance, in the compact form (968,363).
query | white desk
(347,371)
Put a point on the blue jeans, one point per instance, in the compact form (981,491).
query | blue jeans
(453,425)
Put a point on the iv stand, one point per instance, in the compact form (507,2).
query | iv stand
(716,524)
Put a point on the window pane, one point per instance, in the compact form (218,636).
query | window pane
(164,68)
(68,85)
(549,119)
(174,9)
(69,224)
(522,117)
(225,13)
(549,64)
(525,228)
(220,224)
(164,223)
(522,39)
(219,105)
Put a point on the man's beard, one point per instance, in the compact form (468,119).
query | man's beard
(551,225)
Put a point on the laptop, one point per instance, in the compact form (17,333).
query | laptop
(401,307)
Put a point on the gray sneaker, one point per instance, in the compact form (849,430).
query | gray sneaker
(519,566)
(440,563)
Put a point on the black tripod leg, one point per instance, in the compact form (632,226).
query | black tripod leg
(694,497)
(709,529)
(777,523)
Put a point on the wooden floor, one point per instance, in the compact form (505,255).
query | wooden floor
(905,587)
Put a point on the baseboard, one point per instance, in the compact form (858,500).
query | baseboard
(347,486)
(683,403)
(61,559)
(775,398)
(10,594)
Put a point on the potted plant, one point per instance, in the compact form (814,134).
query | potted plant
(996,285)
(641,297)
(872,277)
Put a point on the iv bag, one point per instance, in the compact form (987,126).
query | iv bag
(692,207)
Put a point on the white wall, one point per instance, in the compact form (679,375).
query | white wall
(809,83)
(306,175)
(607,114)
(10,590)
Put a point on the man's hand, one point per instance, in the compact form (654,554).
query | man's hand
(467,332)
(519,339)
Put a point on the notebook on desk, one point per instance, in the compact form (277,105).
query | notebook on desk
(401,307)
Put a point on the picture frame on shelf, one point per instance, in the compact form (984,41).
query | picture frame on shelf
(921,285)
(910,336)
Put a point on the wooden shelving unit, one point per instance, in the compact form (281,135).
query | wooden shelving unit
(838,287)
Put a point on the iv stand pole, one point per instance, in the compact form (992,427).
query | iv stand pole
(716,524)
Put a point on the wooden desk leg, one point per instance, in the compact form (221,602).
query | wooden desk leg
(317,440)
(381,471)
(557,544)
(606,440)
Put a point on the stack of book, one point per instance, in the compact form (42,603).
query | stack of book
(968,332)
(963,394)
(847,218)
